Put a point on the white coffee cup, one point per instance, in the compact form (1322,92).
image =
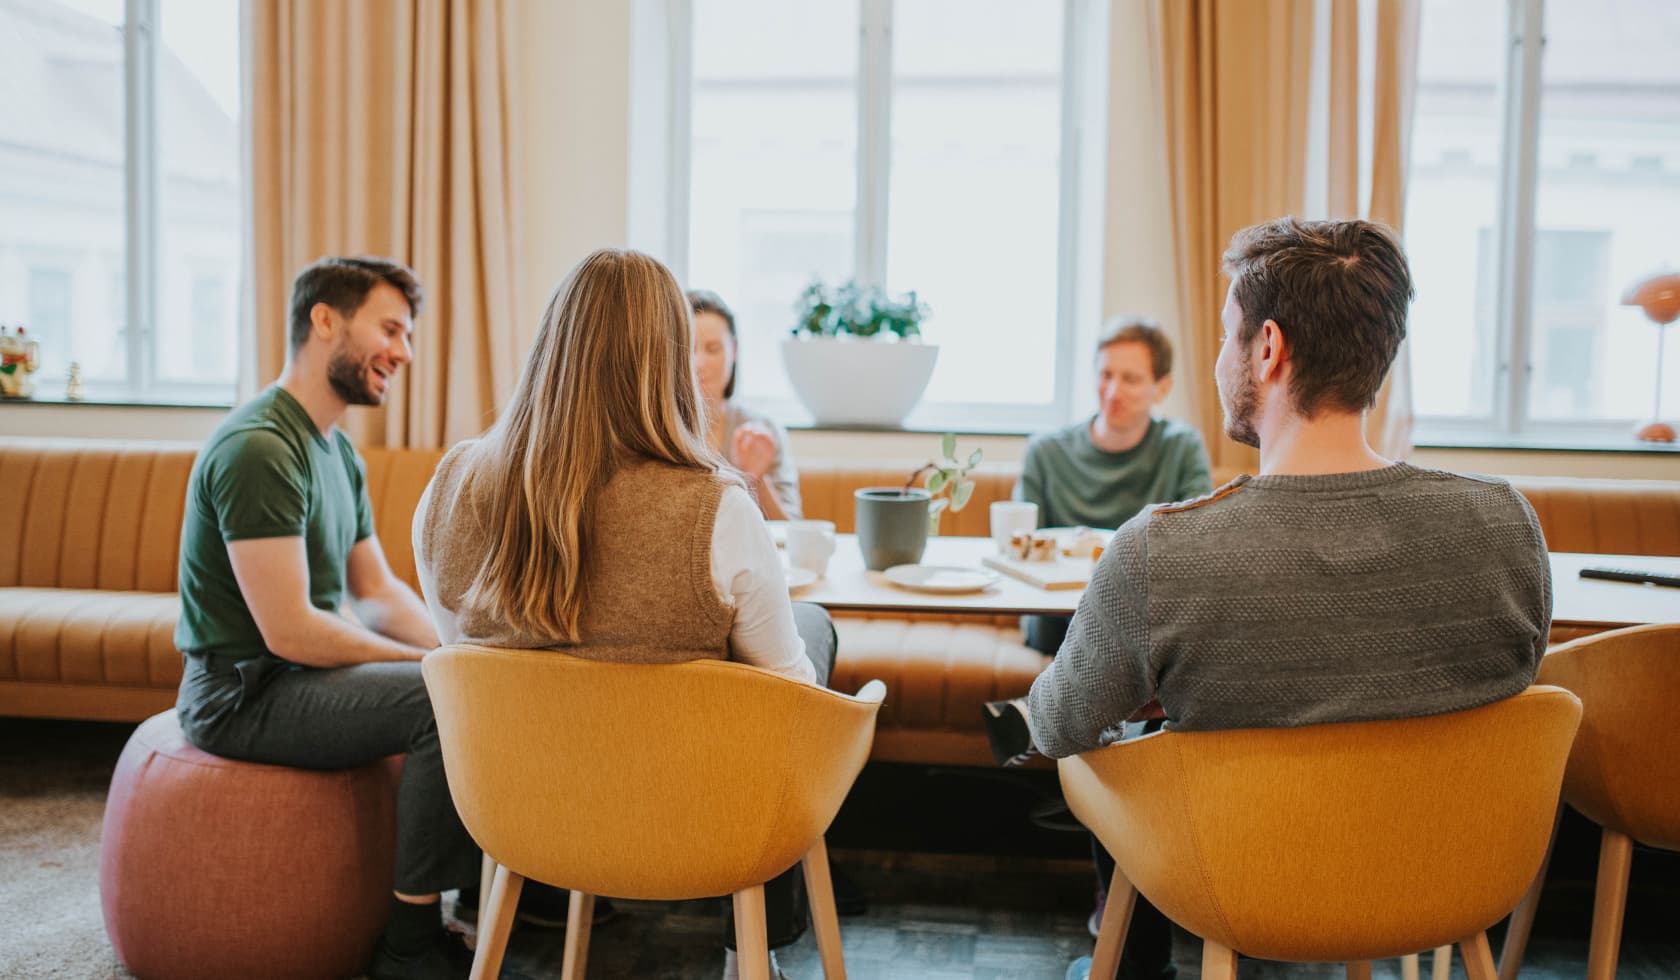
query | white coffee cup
(809,544)
(1010,516)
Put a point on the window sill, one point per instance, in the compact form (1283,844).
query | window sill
(1553,443)
(116,402)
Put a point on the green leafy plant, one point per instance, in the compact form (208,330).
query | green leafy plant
(948,483)
(859,311)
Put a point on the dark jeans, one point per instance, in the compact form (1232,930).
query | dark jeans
(786,910)
(272,712)
(1046,633)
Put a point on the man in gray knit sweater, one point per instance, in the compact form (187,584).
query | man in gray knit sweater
(1336,585)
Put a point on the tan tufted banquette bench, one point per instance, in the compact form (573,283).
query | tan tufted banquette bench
(89,535)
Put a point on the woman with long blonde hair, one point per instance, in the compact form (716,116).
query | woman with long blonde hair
(594,518)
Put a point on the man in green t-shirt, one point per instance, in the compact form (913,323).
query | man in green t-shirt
(1100,472)
(278,530)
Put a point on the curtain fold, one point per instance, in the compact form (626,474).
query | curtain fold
(1234,81)
(1234,96)
(387,127)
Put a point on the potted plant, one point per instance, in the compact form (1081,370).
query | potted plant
(893,523)
(855,356)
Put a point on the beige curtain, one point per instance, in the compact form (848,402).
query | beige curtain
(1235,81)
(387,127)
(1394,25)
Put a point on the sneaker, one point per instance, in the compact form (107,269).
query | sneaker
(447,958)
(1079,969)
(540,905)
(1007,731)
(1093,925)
(732,966)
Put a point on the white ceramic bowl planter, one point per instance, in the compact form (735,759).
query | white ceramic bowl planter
(849,380)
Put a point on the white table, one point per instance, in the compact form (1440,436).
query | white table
(1576,602)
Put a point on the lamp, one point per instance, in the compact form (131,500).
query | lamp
(1658,295)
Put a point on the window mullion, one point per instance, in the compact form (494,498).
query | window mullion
(680,136)
(874,141)
(1519,182)
(140,40)
(1067,205)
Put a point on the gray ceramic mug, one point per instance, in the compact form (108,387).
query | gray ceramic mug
(892,526)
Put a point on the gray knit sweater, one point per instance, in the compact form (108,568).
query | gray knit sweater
(1295,600)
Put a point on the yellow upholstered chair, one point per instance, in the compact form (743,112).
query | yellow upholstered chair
(1624,772)
(646,781)
(1329,843)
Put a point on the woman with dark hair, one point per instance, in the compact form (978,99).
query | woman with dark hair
(754,444)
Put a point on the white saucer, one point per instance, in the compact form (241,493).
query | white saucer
(946,579)
(799,578)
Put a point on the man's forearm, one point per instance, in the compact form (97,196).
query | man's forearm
(399,614)
(321,639)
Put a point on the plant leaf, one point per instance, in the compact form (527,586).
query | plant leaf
(974,458)
(936,481)
(948,446)
(935,506)
(960,492)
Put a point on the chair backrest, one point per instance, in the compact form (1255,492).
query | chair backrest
(1624,772)
(650,781)
(1335,842)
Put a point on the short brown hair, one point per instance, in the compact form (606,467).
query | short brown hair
(343,283)
(1139,330)
(706,301)
(1339,289)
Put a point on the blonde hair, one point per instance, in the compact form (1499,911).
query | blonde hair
(609,379)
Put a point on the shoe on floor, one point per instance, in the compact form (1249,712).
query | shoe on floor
(1093,925)
(848,897)
(1079,969)
(446,958)
(732,966)
(1007,732)
(540,905)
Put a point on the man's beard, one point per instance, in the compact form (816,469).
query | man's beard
(348,378)
(1243,405)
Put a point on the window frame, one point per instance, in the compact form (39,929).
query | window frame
(1513,337)
(142,237)
(870,209)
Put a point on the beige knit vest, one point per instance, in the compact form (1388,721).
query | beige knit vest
(648,593)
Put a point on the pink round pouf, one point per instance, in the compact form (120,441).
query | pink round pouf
(214,868)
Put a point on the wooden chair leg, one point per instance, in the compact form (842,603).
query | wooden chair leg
(1441,964)
(1218,963)
(1359,970)
(1409,967)
(1615,858)
(1111,933)
(752,942)
(580,919)
(486,877)
(825,921)
(495,921)
(1522,917)
(1478,957)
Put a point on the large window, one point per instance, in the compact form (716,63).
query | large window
(120,193)
(1545,178)
(912,144)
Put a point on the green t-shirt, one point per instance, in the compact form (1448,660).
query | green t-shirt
(267,472)
(1073,482)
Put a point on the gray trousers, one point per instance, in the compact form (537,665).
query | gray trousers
(786,910)
(281,714)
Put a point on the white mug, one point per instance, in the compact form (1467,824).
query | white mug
(1010,516)
(809,544)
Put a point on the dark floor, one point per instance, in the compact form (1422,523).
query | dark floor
(960,882)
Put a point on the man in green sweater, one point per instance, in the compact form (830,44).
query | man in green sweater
(1100,472)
